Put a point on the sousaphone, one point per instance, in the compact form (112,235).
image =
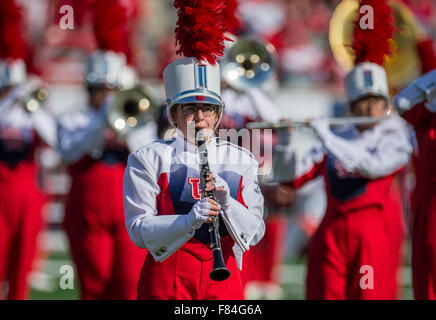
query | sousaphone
(403,65)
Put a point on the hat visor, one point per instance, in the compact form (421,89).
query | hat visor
(198,99)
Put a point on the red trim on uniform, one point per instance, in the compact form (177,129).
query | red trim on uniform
(315,171)
(164,203)
(239,197)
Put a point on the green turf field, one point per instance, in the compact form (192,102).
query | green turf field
(293,276)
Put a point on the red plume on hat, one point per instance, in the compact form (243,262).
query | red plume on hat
(373,44)
(111,26)
(231,20)
(12,43)
(200,29)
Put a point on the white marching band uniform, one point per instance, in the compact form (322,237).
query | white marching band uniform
(82,132)
(149,230)
(22,131)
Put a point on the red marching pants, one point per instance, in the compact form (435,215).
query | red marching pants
(424,245)
(264,261)
(107,261)
(356,255)
(185,275)
(20,222)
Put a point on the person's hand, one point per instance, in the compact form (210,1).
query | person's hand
(202,211)
(210,182)
(320,125)
(222,193)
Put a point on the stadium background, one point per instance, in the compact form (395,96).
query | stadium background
(298,28)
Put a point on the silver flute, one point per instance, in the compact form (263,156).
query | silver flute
(306,123)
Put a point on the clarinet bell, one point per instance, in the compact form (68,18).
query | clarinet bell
(219,271)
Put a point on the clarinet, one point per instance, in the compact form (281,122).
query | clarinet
(219,271)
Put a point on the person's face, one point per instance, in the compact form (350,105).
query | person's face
(198,115)
(369,107)
(97,96)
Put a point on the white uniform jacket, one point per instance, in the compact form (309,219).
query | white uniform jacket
(161,184)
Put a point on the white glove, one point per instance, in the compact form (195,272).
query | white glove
(222,196)
(199,213)
(321,126)
(423,88)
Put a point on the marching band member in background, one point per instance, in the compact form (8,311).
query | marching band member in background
(417,105)
(246,101)
(164,210)
(356,251)
(108,263)
(245,105)
(23,127)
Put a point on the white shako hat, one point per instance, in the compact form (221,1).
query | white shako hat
(189,80)
(105,69)
(12,72)
(371,46)
(196,77)
(108,66)
(366,79)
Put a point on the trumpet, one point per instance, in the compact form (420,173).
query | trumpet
(404,64)
(129,109)
(306,122)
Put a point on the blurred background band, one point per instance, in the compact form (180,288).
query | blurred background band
(306,66)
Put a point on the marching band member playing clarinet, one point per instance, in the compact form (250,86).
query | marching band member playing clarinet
(355,252)
(164,208)
(417,105)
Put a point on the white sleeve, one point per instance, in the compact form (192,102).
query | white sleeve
(392,152)
(162,235)
(45,125)
(420,90)
(74,143)
(17,94)
(142,136)
(287,167)
(246,225)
